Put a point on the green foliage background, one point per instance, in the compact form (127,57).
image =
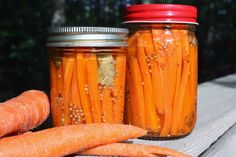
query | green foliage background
(24,58)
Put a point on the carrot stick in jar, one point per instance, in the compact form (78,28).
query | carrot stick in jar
(68,66)
(156,77)
(184,79)
(119,88)
(151,119)
(164,68)
(55,106)
(82,82)
(75,108)
(92,78)
(132,114)
(107,105)
(137,86)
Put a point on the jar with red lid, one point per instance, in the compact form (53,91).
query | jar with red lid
(162,69)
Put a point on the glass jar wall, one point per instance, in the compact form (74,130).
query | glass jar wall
(162,77)
(88,82)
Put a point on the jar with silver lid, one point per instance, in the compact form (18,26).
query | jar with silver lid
(87,74)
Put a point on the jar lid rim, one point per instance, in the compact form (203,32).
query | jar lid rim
(161,12)
(88,30)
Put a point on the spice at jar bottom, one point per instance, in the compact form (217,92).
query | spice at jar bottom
(88,78)
(162,70)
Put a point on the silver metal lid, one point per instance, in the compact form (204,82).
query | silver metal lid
(87,37)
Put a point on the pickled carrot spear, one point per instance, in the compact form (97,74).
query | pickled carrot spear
(55,107)
(132,47)
(156,76)
(66,140)
(132,112)
(178,49)
(184,79)
(60,93)
(92,78)
(126,149)
(151,119)
(172,63)
(82,81)
(164,71)
(76,112)
(119,88)
(138,91)
(192,89)
(186,107)
(68,66)
(107,108)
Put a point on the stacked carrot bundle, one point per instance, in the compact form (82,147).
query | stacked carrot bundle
(31,108)
(87,87)
(162,81)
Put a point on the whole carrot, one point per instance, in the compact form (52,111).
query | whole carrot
(125,149)
(24,112)
(65,140)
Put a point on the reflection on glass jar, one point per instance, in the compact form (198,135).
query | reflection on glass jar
(161,73)
(87,78)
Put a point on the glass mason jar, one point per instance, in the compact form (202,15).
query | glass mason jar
(162,69)
(87,74)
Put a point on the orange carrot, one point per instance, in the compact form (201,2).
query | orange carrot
(92,78)
(119,88)
(107,105)
(75,108)
(25,112)
(82,77)
(190,107)
(133,117)
(65,140)
(178,46)
(164,71)
(156,76)
(68,66)
(151,119)
(138,91)
(125,149)
(185,76)
(55,107)
(60,93)
(132,48)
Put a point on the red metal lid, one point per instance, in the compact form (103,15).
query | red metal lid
(161,13)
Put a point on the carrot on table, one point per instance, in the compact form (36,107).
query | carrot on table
(82,81)
(107,109)
(119,88)
(138,91)
(65,140)
(24,112)
(126,149)
(151,118)
(68,66)
(92,79)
